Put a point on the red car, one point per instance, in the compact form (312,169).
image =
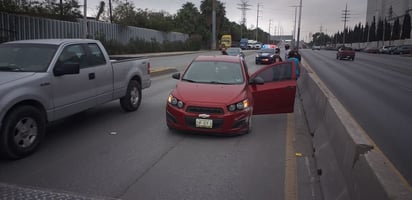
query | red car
(345,53)
(216,94)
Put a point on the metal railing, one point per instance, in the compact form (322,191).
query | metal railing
(22,27)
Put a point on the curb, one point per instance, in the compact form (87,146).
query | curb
(162,71)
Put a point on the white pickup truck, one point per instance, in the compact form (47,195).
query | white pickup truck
(46,80)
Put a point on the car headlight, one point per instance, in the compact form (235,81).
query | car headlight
(239,106)
(174,101)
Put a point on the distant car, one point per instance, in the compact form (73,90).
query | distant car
(265,56)
(315,47)
(345,53)
(371,50)
(216,95)
(235,51)
(403,49)
(257,45)
(386,49)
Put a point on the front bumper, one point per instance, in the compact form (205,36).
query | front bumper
(225,123)
(264,59)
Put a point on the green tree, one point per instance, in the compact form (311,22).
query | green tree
(406,26)
(206,12)
(379,30)
(321,39)
(125,14)
(161,21)
(365,33)
(372,30)
(388,31)
(188,19)
(396,30)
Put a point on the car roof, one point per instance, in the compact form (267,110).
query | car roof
(222,58)
(51,41)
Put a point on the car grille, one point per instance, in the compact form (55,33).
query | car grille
(204,110)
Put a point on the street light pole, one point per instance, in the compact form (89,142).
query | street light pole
(213,25)
(300,18)
(85,20)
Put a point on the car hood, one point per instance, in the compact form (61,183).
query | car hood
(6,77)
(209,93)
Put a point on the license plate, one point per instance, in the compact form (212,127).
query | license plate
(265,59)
(204,123)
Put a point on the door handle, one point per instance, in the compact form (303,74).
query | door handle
(91,76)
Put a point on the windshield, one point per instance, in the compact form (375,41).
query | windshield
(26,57)
(267,51)
(215,72)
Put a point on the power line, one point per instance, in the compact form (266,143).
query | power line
(243,6)
(257,19)
(345,17)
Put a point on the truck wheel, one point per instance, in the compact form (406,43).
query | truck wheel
(22,131)
(131,101)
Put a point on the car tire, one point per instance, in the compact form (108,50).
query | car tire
(256,62)
(337,57)
(353,58)
(22,132)
(131,101)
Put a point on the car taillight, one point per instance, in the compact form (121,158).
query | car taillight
(148,67)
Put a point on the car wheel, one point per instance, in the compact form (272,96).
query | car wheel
(131,101)
(256,62)
(353,58)
(22,131)
(337,57)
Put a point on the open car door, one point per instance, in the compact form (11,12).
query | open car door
(277,93)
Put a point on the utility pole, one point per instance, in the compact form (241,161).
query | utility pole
(213,25)
(300,18)
(110,11)
(243,6)
(294,26)
(85,20)
(345,16)
(257,20)
(270,26)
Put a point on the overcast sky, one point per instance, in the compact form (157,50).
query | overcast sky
(315,13)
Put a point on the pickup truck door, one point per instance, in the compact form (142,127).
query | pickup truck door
(73,92)
(103,73)
(277,94)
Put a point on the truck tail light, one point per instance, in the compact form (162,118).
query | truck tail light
(148,67)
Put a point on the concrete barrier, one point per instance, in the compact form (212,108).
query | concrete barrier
(348,164)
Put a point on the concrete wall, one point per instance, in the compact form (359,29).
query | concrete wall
(350,166)
(377,44)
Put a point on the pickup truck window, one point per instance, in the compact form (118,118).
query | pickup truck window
(73,54)
(96,57)
(36,57)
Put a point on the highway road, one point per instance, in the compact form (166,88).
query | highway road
(107,153)
(377,90)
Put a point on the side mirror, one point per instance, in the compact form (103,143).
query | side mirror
(176,76)
(257,81)
(66,68)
